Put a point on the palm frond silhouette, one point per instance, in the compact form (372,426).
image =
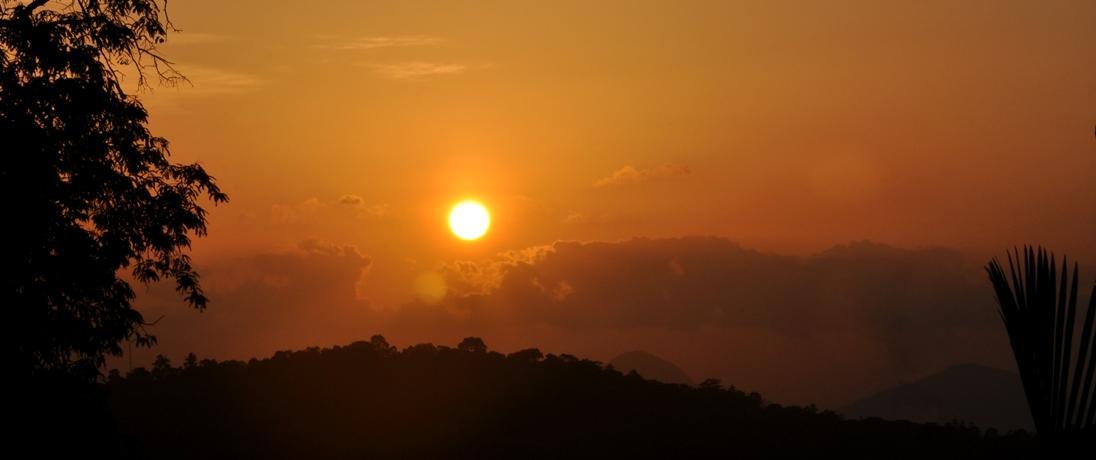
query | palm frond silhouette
(1056,359)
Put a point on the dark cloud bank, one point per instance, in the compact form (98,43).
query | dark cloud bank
(823,329)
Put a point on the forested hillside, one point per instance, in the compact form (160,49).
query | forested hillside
(370,399)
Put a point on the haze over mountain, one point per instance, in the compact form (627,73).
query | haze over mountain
(985,396)
(650,367)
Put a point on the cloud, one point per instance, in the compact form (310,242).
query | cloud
(264,302)
(201,81)
(703,281)
(405,70)
(351,200)
(414,70)
(211,80)
(823,329)
(322,247)
(186,38)
(378,42)
(631,175)
(466,277)
(363,210)
(314,210)
(578,218)
(296,213)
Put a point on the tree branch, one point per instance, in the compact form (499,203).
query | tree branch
(30,7)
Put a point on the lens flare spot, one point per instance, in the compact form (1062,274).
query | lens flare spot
(430,287)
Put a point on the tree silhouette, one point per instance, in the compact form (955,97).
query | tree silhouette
(472,345)
(379,343)
(91,191)
(1041,320)
(191,361)
(529,355)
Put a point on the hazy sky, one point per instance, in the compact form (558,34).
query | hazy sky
(344,131)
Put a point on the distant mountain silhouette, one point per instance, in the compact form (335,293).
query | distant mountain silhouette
(984,396)
(650,367)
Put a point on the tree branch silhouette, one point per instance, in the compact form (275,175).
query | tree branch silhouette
(95,192)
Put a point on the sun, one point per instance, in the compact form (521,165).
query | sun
(469,220)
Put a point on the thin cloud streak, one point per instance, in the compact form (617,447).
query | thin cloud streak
(631,175)
(414,70)
(372,43)
(184,38)
(210,80)
(201,82)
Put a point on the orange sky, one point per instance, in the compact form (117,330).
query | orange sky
(784,126)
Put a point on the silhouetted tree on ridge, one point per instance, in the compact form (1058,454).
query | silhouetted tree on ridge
(92,190)
(472,345)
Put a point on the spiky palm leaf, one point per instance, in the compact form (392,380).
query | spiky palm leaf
(1041,320)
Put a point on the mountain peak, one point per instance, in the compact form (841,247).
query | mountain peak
(985,396)
(651,367)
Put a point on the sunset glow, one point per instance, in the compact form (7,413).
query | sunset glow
(612,229)
(796,197)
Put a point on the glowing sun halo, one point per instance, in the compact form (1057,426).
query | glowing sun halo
(469,220)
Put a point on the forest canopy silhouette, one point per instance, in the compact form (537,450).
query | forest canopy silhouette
(370,399)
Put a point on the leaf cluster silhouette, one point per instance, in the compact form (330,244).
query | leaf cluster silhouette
(371,400)
(1055,352)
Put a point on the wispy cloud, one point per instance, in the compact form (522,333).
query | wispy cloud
(352,200)
(296,213)
(201,81)
(413,70)
(371,43)
(578,218)
(631,175)
(314,210)
(402,70)
(183,38)
(210,80)
(362,209)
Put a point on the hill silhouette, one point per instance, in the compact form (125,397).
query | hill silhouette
(984,396)
(650,367)
(368,399)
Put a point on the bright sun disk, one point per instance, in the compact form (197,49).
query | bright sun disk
(469,220)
